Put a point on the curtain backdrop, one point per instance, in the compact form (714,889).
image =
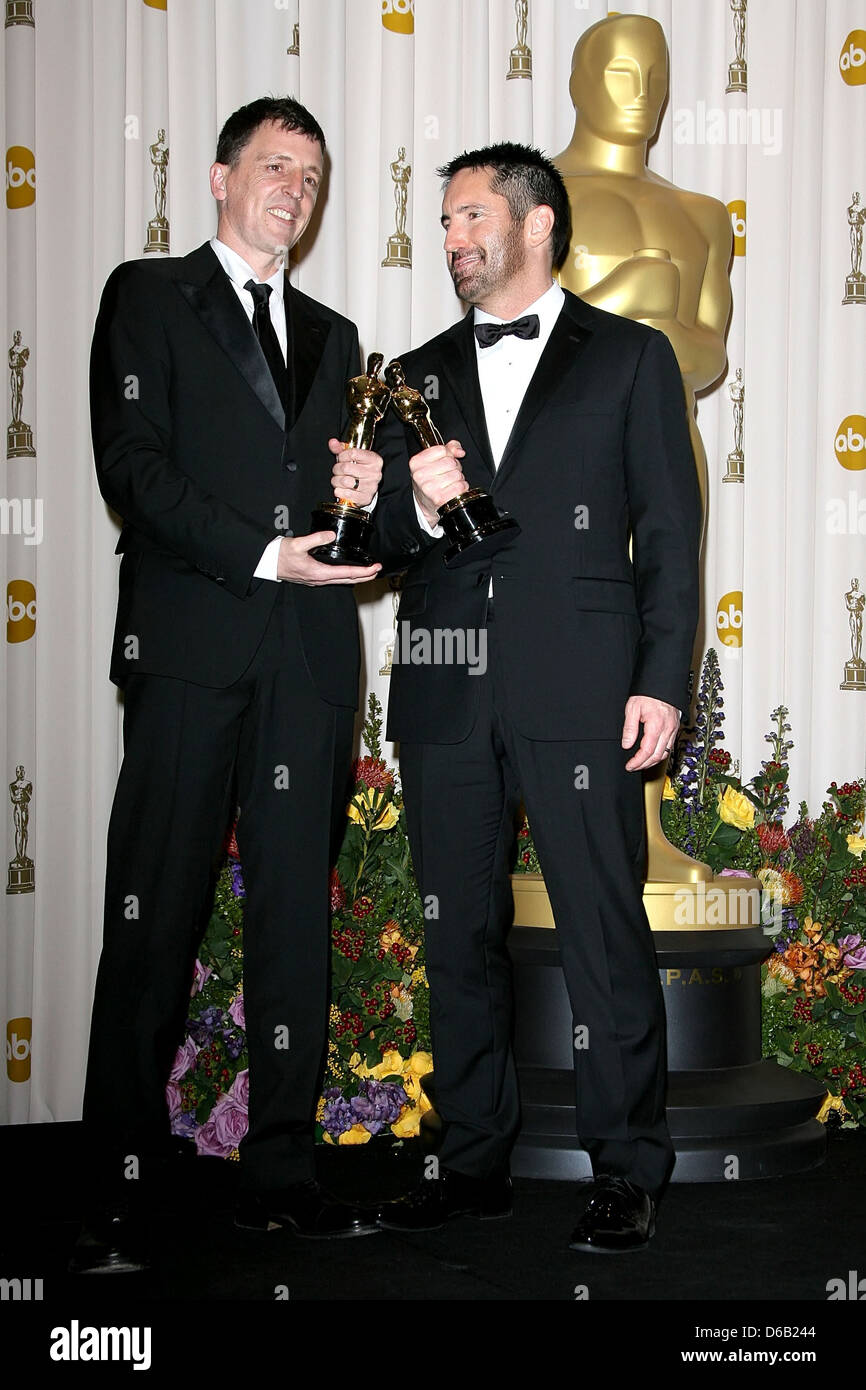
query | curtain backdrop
(90,84)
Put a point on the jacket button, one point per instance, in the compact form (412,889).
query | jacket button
(292,467)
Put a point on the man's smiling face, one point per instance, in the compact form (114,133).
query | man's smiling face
(267,198)
(483,244)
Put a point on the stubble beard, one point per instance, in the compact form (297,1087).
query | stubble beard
(500,263)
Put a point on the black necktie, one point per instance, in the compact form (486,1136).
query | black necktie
(490,333)
(268,340)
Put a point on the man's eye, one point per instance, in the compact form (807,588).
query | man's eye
(313,183)
(275,166)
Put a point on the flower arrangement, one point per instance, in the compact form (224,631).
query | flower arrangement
(379,1045)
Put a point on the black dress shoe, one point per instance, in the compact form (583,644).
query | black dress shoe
(306,1209)
(619,1217)
(111,1241)
(437,1200)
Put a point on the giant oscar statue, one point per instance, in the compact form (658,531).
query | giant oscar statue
(650,251)
(647,250)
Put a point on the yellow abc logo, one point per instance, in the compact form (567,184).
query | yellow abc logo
(850,442)
(737,211)
(20,610)
(399,15)
(157,4)
(729,618)
(20,177)
(852,59)
(18,1035)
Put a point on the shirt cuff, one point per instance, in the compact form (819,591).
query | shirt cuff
(435,531)
(267,566)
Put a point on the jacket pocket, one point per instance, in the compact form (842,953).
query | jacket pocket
(604,596)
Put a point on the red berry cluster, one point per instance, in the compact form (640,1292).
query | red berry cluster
(525,856)
(720,757)
(803,1010)
(523,832)
(853,994)
(401,953)
(381,1007)
(362,907)
(814,1054)
(856,878)
(349,943)
(856,1079)
(846,789)
(350,1022)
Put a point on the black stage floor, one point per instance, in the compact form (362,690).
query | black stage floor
(738,1253)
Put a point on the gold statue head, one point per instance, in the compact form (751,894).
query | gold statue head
(619,78)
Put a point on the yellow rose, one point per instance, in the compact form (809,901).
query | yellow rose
(356,1135)
(736,809)
(856,844)
(390,1065)
(831,1102)
(420,1063)
(408,1124)
(668,794)
(387,819)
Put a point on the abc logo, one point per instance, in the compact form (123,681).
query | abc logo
(852,59)
(157,4)
(18,1034)
(737,210)
(850,442)
(20,610)
(20,177)
(399,15)
(729,619)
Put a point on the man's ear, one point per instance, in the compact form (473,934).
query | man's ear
(217,177)
(539,225)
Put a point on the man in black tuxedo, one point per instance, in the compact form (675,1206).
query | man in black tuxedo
(574,421)
(214,388)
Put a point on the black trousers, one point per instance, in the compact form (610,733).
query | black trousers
(186,747)
(587,819)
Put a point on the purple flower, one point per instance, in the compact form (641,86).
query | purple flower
(183,1124)
(734,873)
(378,1103)
(802,840)
(236,1010)
(174,1099)
(240,1088)
(224,1128)
(200,977)
(184,1059)
(337,1117)
(204,1027)
(237,879)
(855,952)
(234,1043)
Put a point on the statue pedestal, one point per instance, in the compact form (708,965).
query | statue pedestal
(724,1101)
(855,289)
(157,237)
(399,251)
(21,878)
(19,441)
(855,675)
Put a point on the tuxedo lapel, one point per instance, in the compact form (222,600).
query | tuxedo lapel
(560,358)
(307,334)
(208,291)
(460,369)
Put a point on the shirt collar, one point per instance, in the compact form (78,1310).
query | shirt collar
(547,308)
(239,272)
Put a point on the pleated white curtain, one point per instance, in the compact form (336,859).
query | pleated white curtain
(89,86)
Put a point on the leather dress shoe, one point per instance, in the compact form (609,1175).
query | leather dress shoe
(306,1209)
(436,1200)
(619,1216)
(111,1241)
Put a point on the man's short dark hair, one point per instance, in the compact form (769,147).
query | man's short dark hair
(243,123)
(525,178)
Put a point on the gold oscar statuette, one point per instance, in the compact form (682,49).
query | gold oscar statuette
(855,666)
(520,57)
(737,73)
(157,227)
(19,436)
(855,282)
(472,522)
(367,399)
(736,458)
(21,878)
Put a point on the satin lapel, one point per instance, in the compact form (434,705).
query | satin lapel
(460,368)
(222,314)
(307,337)
(559,359)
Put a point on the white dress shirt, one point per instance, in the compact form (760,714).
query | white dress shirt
(239,273)
(504,373)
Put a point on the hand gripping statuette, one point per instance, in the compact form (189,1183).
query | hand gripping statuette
(472,522)
(367,399)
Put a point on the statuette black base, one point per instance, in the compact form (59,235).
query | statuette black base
(354,531)
(475,527)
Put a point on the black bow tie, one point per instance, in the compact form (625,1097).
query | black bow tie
(490,333)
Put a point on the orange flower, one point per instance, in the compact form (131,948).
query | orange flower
(801,959)
(776,966)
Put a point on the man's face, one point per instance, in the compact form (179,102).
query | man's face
(483,245)
(266,199)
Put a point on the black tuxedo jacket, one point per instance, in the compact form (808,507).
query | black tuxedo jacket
(195,453)
(599,453)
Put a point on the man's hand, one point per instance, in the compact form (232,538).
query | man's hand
(357,473)
(296,564)
(660,723)
(437,477)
